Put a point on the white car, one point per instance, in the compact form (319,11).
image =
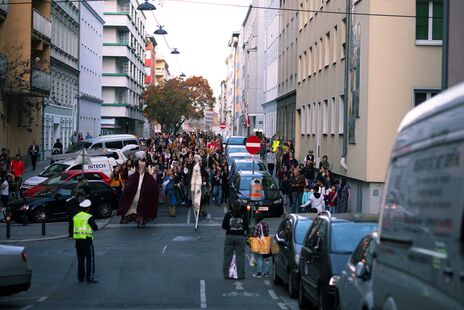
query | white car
(15,272)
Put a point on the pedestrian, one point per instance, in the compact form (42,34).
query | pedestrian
(225,182)
(169,192)
(271,161)
(235,223)
(261,230)
(116,180)
(57,147)
(305,198)
(80,137)
(17,170)
(316,201)
(88,136)
(34,153)
(216,183)
(4,195)
(4,162)
(332,201)
(308,172)
(286,189)
(310,157)
(297,182)
(324,163)
(196,183)
(74,137)
(344,196)
(81,230)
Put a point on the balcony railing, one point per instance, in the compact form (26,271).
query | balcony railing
(40,80)
(41,24)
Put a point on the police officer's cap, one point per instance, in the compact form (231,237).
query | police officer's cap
(85,204)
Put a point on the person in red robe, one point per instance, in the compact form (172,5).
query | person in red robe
(139,201)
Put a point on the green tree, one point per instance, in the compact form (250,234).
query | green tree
(173,102)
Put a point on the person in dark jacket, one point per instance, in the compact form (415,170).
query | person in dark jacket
(236,225)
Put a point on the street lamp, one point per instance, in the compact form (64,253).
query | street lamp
(146,6)
(160,31)
(175,51)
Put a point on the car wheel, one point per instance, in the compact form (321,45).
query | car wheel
(292,290)
(104,209)
(36,216)
(275,277)
(303,302)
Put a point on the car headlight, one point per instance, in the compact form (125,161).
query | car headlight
(278,201)
(333,280)
(24,208)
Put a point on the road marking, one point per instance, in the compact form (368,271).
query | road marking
(27,307)
(267,282)
(189,214)
(19,298)
(203,294)
(282,305)
(235,294)
(164,249)
(42,299)
(157,226)
(273,294)
(238,285)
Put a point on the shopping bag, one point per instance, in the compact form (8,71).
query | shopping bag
(233,268)
(260,245)
(252,260)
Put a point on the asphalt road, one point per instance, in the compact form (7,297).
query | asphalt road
(166,265)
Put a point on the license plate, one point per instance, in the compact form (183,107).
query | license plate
(263,208)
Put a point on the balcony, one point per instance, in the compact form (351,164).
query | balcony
(41,25)
(40,80)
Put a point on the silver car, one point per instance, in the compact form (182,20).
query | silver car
(15,272)
(355,283)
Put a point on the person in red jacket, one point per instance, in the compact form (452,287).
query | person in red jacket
(17,170)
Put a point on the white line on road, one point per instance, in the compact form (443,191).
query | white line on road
(203,294)
(164,249)
(160,225)
(42,299)
(267,282)
(27,307)
(273,294)
(189,214)
(282,305)
(19,298)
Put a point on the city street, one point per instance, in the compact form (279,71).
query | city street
(166,265)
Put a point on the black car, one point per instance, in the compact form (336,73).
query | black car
(245,165)
(53,201)
(271,203)
(286,246)
(327,246)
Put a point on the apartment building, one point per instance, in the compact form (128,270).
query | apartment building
(60,108)
(271,67)
(150,80)
(351,111)
(231,89)
(287,71)
(123,67)
(162,72)
(25,39)
(91,67)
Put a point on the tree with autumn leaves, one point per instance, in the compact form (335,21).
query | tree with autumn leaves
(174,101)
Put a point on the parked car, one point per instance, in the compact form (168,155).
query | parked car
(67,176)
(420,255)
(52,200)
(234,140)
(99,163)
(355,282)
(236,156)
(326,248)
(105,142)
(271,203)
(15,272)
(286,246)
(246,165)
(231,149)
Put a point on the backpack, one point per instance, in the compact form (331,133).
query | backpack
(236,223)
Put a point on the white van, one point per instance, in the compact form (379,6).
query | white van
(420,256)
(100,163)
(116,142)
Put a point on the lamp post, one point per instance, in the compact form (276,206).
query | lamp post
(146,6)
(160,31)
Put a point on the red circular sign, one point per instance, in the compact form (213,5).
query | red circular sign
(253,144)
(222,126)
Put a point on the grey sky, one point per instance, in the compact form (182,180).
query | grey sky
(200,32)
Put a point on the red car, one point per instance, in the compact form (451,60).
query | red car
(67,176)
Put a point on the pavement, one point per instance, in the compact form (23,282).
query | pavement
(166,265)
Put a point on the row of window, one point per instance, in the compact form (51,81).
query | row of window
(325,117)
(63,87)
(309,10)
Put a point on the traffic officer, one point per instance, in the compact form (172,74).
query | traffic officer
(83,225)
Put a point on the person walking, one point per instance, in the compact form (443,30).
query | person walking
(17,170)
(235,223)
(271,161)
(4,195)
(297,181)
(81,230)
(34,154)
(261,230)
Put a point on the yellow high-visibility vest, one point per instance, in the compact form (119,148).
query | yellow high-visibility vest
(82,229)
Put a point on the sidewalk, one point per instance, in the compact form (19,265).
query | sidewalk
(28,172)
(33,232)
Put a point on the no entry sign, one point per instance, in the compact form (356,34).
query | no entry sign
(222,126)
(253,144)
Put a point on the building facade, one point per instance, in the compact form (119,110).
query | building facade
(342,107)
(25,40)
(162,72)
(230,89)
(91,65)
(123,67)
(453,49)
(150,80)
(271,67)
(286,89)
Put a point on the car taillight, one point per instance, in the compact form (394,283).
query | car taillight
(24,256)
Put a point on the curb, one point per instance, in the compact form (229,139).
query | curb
(104,222)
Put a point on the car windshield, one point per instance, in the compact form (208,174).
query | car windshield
(236,149)
(267,183)
(235,141)
(78,146)
(347,235)
(248,166)
(54,169)
(55,179)
(301,229)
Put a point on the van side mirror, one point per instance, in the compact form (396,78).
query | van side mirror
(361,271)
